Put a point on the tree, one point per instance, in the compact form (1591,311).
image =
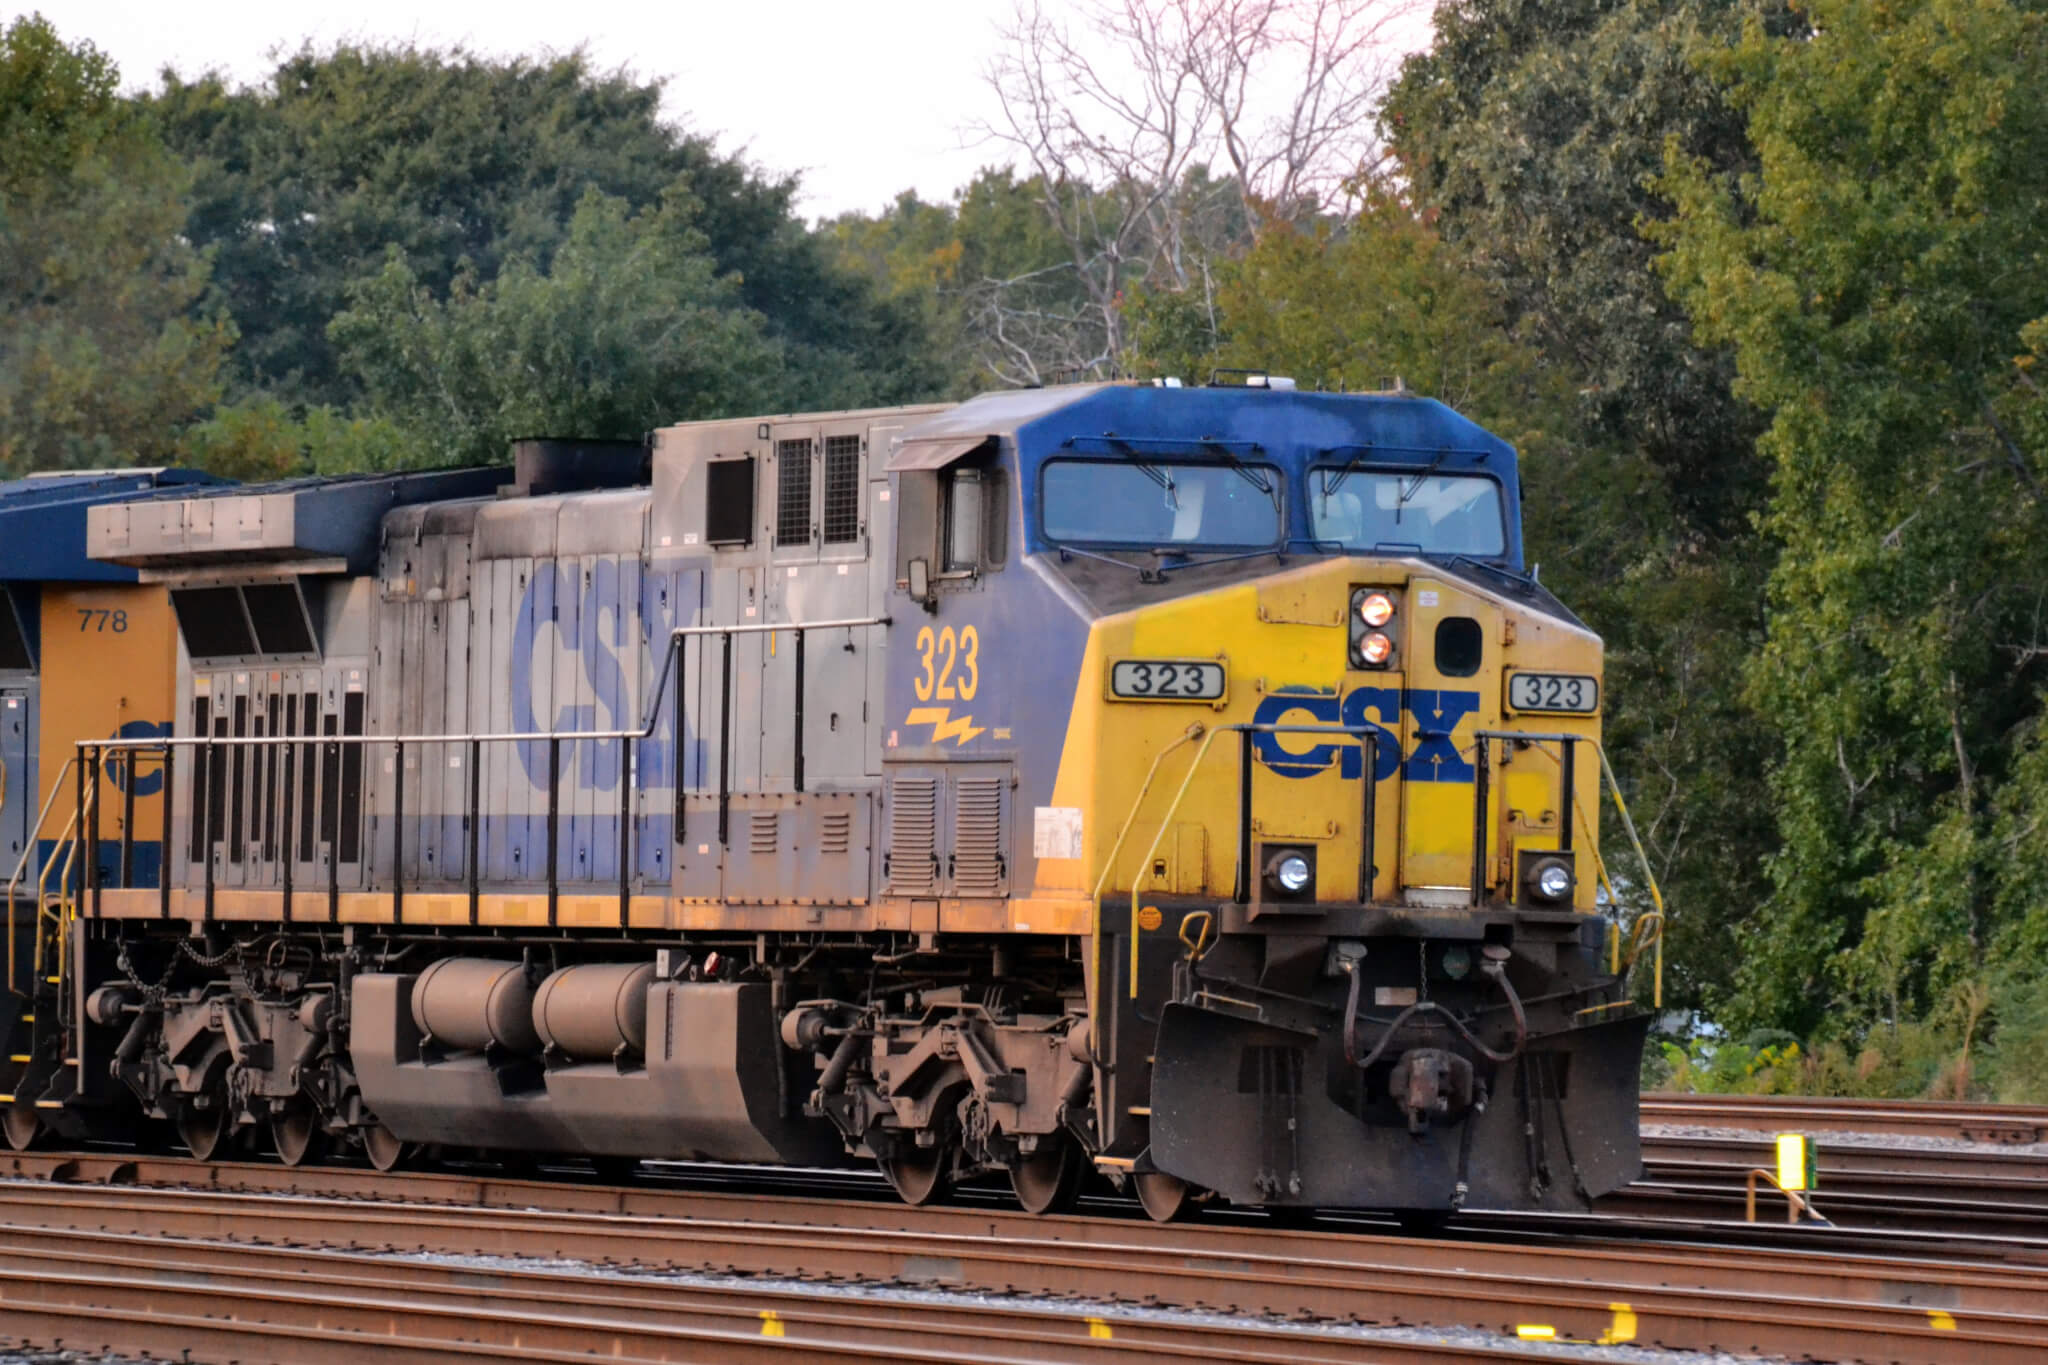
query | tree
(1879,281)
(1120,117)
(464,164)
(1530,134)
(991,277)
(102,352)
(629,327)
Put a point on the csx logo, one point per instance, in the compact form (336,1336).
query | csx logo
(1436,713)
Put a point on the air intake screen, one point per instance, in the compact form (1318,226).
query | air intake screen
(793,492)
(279,613)
(842,489)
(212,621)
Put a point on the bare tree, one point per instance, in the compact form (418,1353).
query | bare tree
(1159,134)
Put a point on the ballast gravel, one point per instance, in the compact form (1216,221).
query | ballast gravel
(1108,1311)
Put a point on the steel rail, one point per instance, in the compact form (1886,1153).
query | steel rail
(1773,1113)
(510,1304)
(1676,1296)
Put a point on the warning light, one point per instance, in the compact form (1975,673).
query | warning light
(1796,1162)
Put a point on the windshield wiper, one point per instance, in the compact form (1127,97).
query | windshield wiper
(1405,493)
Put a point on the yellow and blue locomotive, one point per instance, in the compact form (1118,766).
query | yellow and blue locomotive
(1185,784)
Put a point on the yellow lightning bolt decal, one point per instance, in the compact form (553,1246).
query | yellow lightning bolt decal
(943,726)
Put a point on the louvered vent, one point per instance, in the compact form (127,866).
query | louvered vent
(978,837)
(761,831)
(913,867)
(835,832)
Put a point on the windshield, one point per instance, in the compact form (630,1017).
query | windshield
(1451,514)
(1186,506)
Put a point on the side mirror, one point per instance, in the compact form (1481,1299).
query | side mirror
(921,582)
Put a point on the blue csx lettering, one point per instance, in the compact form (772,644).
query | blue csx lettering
(596,620)
(1436,712)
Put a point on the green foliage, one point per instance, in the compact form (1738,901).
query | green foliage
(261,438)
(465,165)
(1760,1065)
(1876,280)
(997,287)
(102,355)
(629,327)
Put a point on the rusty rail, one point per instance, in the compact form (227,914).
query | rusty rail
(1750,1298)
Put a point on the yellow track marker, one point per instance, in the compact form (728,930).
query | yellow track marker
(771,1323)
(1098,1330)
(1536,1331)
(1623,1328)
(1940,1321)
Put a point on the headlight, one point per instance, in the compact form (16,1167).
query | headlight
(1375,649)
(1548,877)
(1376,609)
(1292,872)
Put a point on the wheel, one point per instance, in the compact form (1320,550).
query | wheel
(1164,1196)
(21,1125)
(204,1131)
(382,1147)
(295,1132)
(1049,1179)
(921,1175)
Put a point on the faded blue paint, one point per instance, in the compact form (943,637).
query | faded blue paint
(585,622)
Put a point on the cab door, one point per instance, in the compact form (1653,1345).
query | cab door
(1452,646)
(17,781)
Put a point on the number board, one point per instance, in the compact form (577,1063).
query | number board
(1166,680)
(1569,693)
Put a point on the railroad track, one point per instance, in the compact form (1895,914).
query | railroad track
(2002,1123)
(1756,1298)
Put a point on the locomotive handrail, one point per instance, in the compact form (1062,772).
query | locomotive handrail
(29,851)
(1647,932)
(153,743)
(1368,735)
(94,753)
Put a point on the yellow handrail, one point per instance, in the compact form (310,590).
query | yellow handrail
(68,900)
(1643,922)
(62,843)
(28,852)
(1165,824)
(1109,867)
(1648,930)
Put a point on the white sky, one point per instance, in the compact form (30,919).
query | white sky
(863,98)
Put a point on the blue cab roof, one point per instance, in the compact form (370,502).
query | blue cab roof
(1288,428)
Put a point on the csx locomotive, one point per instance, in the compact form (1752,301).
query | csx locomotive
(1186,785)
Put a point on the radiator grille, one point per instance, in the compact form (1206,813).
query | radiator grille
(793,492)
(762,828)
(978,837)
(913,835)
(842,489)
(835,832)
